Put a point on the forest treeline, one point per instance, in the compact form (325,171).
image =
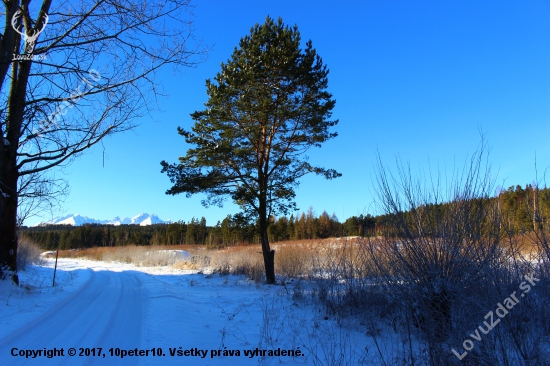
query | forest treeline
(516,205)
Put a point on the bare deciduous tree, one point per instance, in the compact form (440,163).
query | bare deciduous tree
(39,194)
(87,71)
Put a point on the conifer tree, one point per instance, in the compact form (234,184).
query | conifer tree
(266,107)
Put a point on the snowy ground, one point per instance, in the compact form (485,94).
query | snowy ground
(189,318)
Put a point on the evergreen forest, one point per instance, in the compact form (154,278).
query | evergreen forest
(518,206)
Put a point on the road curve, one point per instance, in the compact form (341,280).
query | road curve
(106,312)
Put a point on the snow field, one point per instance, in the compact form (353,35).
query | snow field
(208,319)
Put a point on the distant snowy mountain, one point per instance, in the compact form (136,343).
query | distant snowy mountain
(143,219)
(118,221)
(75,220)
(138,219)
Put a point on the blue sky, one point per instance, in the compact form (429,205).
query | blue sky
(414,79)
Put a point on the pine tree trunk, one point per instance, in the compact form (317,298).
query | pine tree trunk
(269,260)
(269,255)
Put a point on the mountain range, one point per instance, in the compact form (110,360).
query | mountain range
(143,219)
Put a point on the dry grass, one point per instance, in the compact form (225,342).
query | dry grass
(308,259)
(187,266)
(94,254)
(343,257)
(526,245)
(149,256)
(241,260)
(293,259)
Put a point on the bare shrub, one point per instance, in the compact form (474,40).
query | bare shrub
(447,259)
(28,253)
(441,240)
(339,269)
(539,238)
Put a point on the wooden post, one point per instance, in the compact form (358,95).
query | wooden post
(55,268)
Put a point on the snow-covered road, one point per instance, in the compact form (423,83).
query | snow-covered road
(191,318)
(106,312)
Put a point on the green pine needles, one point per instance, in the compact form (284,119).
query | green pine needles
(266,107)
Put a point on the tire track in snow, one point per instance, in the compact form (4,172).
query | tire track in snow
(106,312)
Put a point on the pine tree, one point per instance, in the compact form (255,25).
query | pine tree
(266,107)
(291,234)
(325,229)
